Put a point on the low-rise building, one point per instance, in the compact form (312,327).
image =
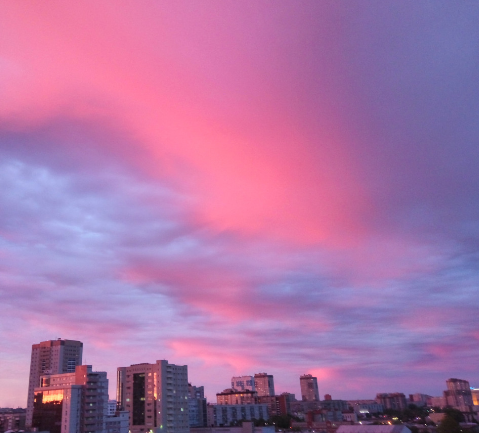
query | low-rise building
(231,414)
(394,400)
(12,419)
(117,423)
(365,406)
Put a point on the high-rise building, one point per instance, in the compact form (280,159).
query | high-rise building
(458,395)
(309,387)
(51,357)
(243,383)
(71,402)
(156,396)
(264,384)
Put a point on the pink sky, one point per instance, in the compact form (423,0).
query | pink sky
(242,187)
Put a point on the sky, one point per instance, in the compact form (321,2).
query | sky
(259,186)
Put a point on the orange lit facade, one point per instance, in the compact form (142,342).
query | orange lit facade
(71,402)
(51,357)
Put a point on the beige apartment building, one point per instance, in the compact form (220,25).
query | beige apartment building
(156,397)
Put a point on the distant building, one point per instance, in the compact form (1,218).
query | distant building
(439,402)
(229,414)
(309,387)
(111,407)
(285,400)
(394,400)
(51,357)
(156,397)
(243,383)
(475,396)
(71,402)
(245,427)
(419,399)
(264,384)
(364,428)
(197,406)
(233,396)
(341,405)
(12,419)
(365,406)
(458,395)
(117,423)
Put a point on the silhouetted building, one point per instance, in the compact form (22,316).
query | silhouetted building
(309,387)
(394,400)
(51,357)
(458,395)
(365,406)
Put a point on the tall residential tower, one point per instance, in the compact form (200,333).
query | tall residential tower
(309,387)
(264,384)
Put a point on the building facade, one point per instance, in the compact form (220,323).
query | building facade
(233,396)
(225,415)
(197,406)
(71,402)
(12,419)
(365,406)
(393,400)
(264,384)
(243,383)
(458,395)
(309,387)
(156,397)
(51,357)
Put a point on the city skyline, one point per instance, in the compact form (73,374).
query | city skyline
(245,187)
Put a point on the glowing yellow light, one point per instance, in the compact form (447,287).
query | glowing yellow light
(50,396)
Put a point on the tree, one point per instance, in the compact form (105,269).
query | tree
(449,425)
(454,413)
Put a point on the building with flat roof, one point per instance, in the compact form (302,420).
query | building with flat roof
(264,384)
(230,414)
(233,396)
(156,397)
(309,387)
(51,357)
(392,400)
(71,402)
(458,395)
(243,383)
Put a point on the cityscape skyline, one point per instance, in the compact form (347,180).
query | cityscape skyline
(54,353)
(242,187)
